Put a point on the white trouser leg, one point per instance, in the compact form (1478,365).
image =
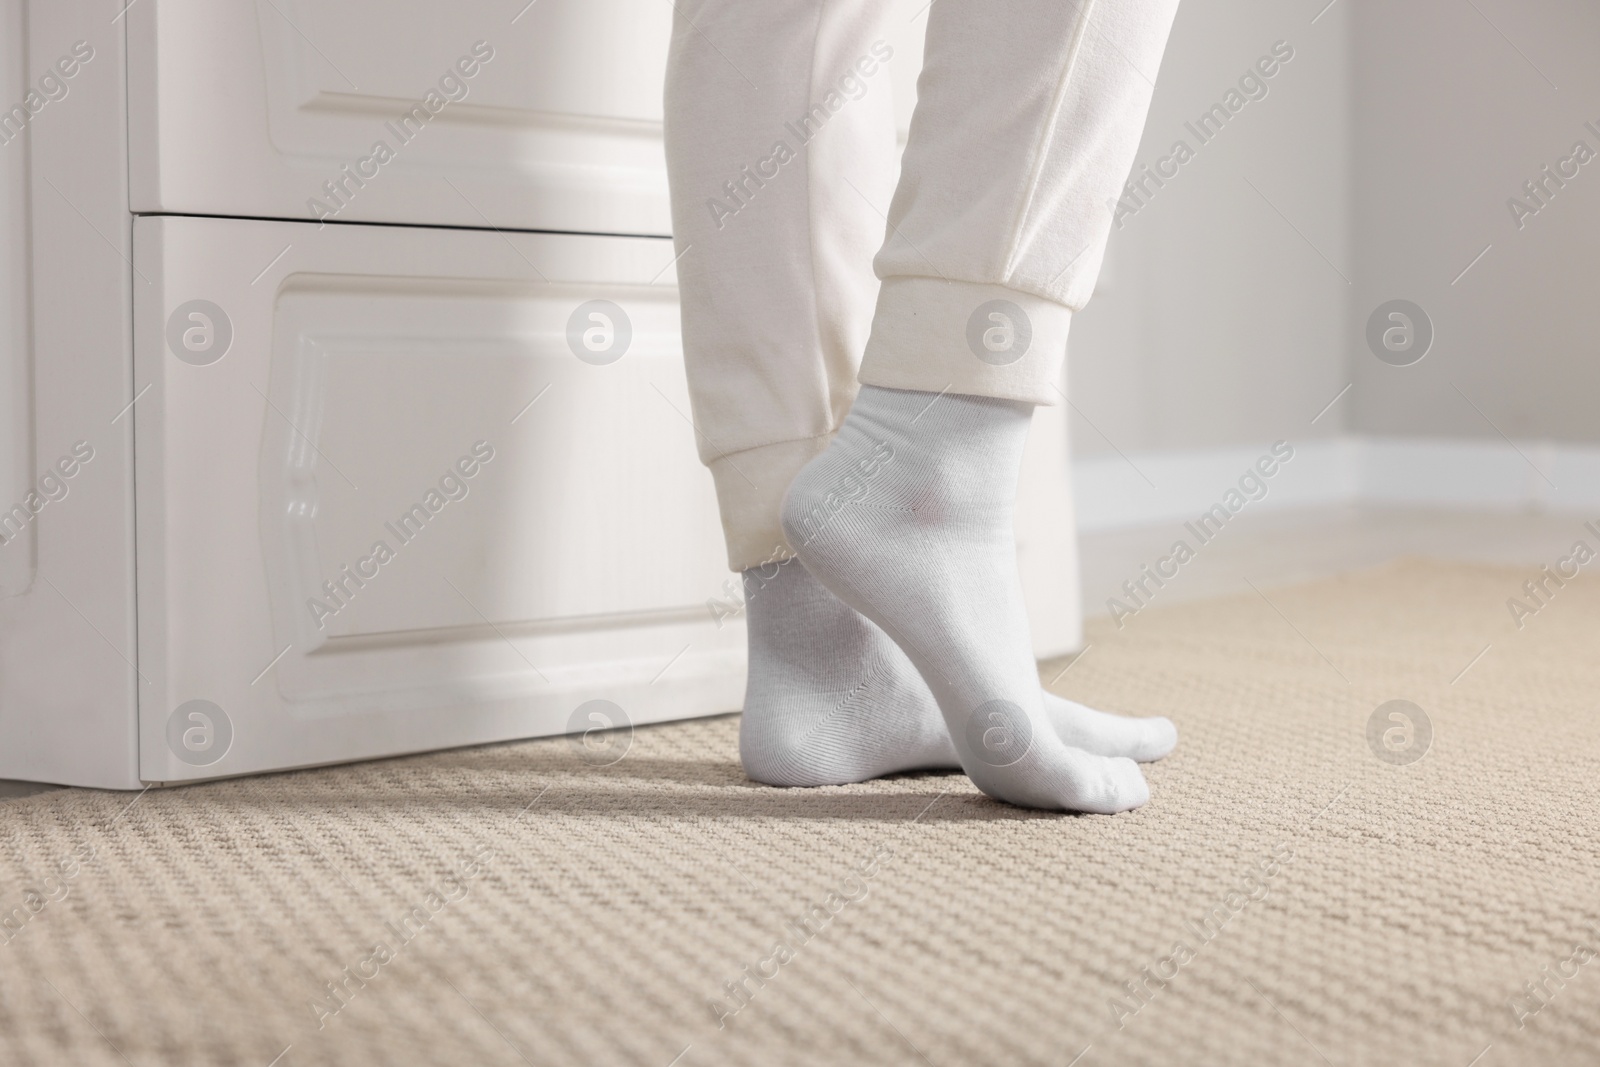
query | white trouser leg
(1028,116)
(780,139)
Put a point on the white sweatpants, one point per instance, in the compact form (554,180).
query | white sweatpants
(781,152)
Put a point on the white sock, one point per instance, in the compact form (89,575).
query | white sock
(906,517)
(831,699)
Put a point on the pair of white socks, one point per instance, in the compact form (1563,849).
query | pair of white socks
(899,640)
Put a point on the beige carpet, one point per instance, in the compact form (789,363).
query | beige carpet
(588,915)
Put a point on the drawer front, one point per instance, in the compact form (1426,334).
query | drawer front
(472,113)
(406,488)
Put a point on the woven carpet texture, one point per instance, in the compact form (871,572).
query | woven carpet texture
(1321,877)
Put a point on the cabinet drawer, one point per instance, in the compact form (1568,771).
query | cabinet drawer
(406,488)
(471,113)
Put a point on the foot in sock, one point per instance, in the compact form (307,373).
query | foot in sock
(907,517)
(831,699)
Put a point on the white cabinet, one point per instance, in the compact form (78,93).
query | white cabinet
(472,113)
(154,623)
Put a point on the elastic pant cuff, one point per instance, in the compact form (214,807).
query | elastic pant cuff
(750,487)
(966,337)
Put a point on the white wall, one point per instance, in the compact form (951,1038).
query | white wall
(1219,319)
(1392,143)
(1456,105)
(16,453)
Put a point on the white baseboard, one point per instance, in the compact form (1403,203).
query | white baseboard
(1113,491)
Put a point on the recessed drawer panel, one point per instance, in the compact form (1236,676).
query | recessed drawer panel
(405,488)
(472,113)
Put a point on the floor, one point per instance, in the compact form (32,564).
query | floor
(1315,881)
(1282,548)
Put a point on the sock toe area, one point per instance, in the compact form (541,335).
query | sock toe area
(1106,734)
(1121,786)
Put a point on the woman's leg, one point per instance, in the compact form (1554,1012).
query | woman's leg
(780,139)
(1028,117)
